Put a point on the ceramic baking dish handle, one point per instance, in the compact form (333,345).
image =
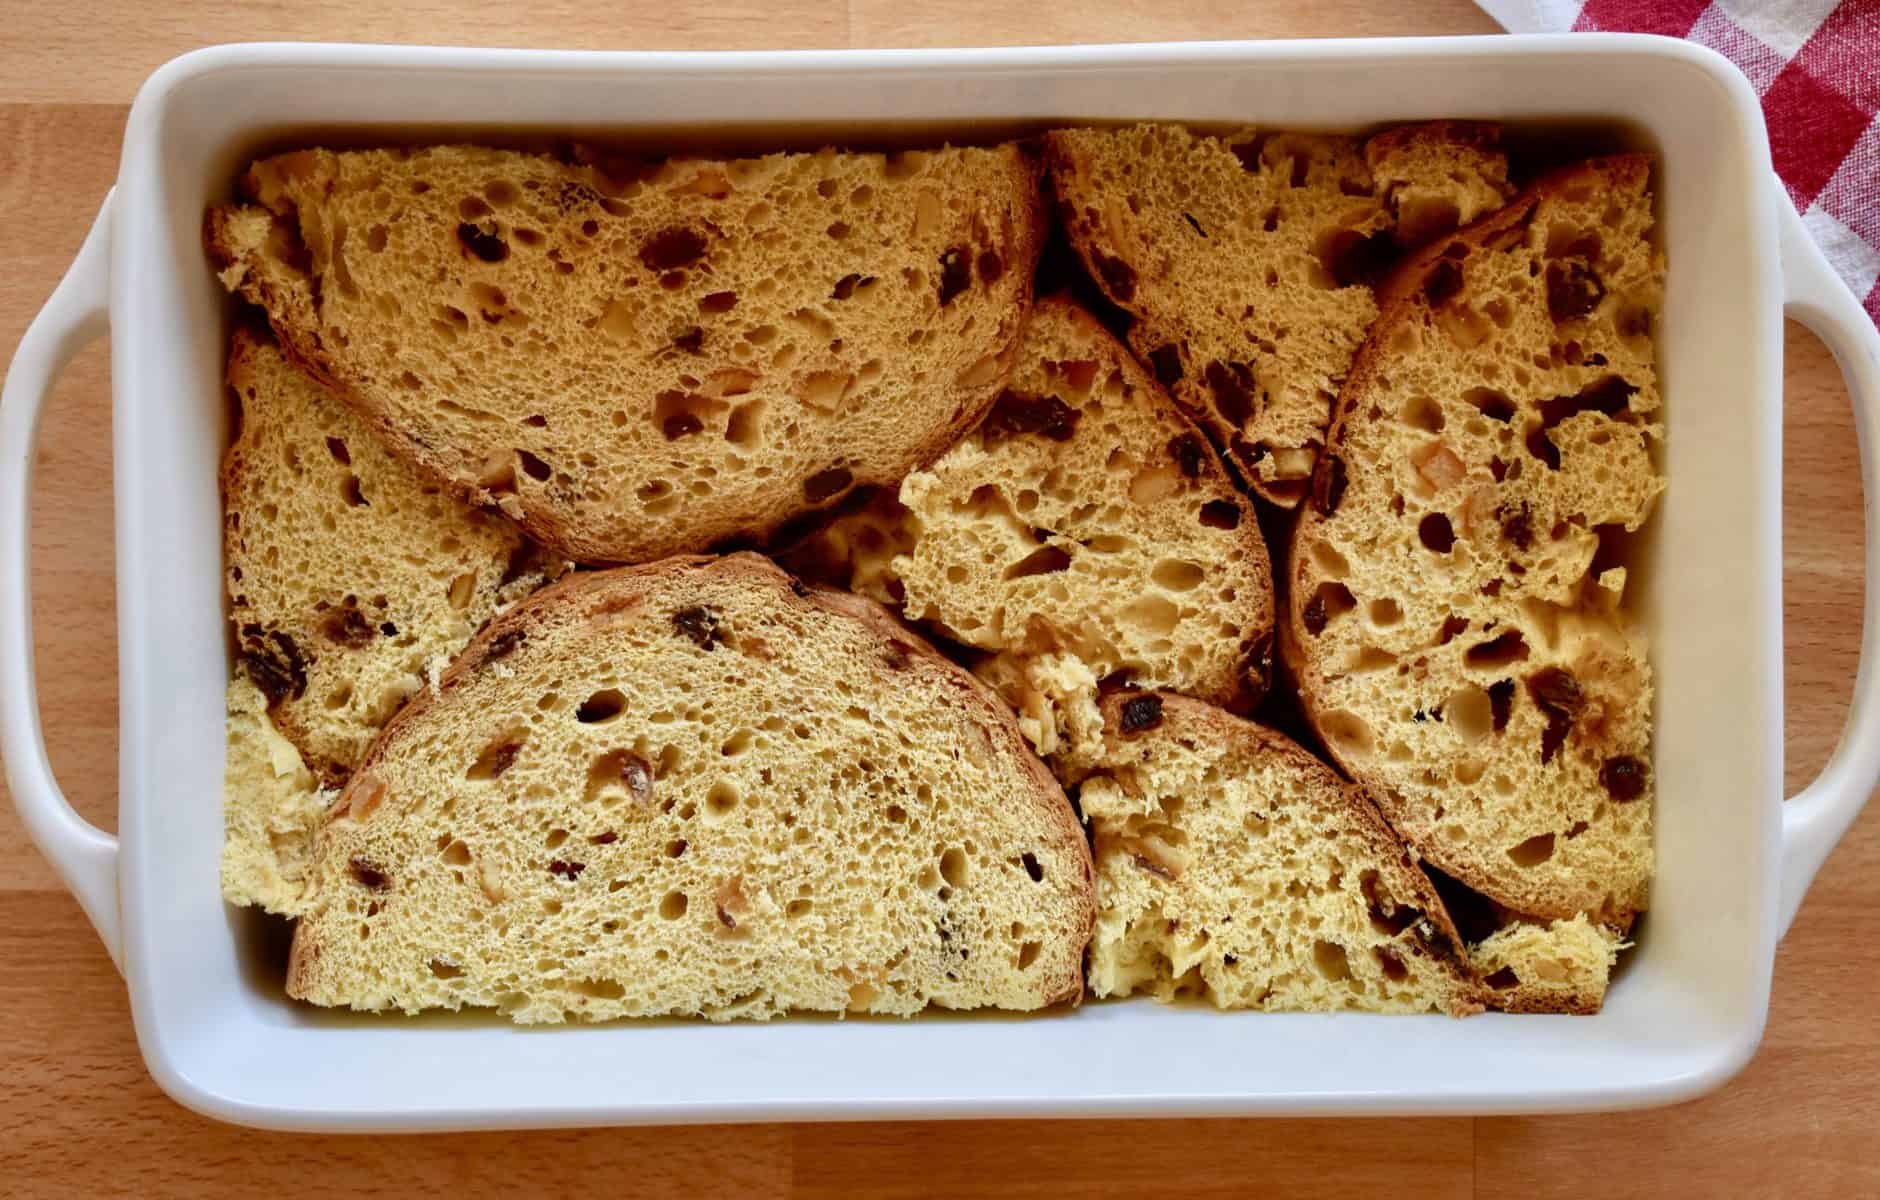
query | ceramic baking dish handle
(1814,820)
(85,856)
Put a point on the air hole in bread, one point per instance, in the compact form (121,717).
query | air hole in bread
(953,867)
(1177,575)
(1542,447)
(1045,560)
(1392,965)
(1154,483)
(1152,614)
(656,496)
(482,240)
(1423,218)
(616,321)
(1349,734)
(826,485)
(350,492)
(1508,647)
(1383,613)
(462,590)
(1329,561)
(1033,867)
(1349,258)
(1436,533)
(673,904)
(1328,959)
(1028,954)
(1220,514)
(1568,240)
(532,466)
(603,706)
(554,839)
(1532,852)
(491,300)
(1423,413)
(721,799)
(825,390)
(598,989)
(1493,404)
(1466,327)
(1470,714)
(680,414)
(1370,659)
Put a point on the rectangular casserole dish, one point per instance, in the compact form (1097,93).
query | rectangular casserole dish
(1688,1009)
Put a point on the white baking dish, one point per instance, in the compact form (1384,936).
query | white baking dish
(1686,1013)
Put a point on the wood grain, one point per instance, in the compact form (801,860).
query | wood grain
(85,1119)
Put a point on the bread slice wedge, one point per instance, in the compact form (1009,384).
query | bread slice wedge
(1456,616)
(350,578)
(271,808)
(698,787)
(1436,176)
(1245,261)
(1559,966)
(636,359)
(1235,867)
(1085,531)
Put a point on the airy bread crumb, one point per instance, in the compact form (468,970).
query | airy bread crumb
(633,359)
(698,788)
(1456,620)
(1234,866)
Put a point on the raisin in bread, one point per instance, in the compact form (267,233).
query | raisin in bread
(1559,966)
(1455,617)
(637,359)
(271,807)
(698,787)
(349,577)
(1083,531)
(1245,260)
(1233,865)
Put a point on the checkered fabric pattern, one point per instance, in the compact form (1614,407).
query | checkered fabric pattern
(1816,65)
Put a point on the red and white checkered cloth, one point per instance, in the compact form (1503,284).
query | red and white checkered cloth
(1816,65)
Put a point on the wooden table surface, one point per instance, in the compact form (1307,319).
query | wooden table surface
(78,1113)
